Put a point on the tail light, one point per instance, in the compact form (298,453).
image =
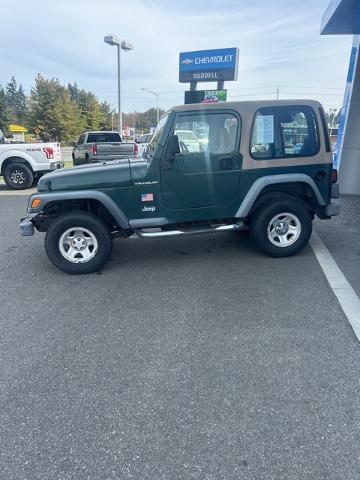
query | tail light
(94,149)
(49,152)
(334,175)
(136,149)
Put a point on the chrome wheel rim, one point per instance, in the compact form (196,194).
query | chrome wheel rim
(284,229)
(17,176)
(78,245)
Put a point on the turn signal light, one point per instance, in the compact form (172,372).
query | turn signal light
(36,203)
(334,175)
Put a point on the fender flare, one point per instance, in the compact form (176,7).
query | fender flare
(265,181)
(101,197)
(13,153)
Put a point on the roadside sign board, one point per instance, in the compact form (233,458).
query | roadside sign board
(205,96)
(208,65)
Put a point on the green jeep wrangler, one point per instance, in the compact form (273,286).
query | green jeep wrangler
(264,166)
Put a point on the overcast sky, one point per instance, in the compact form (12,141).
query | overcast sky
(279,44)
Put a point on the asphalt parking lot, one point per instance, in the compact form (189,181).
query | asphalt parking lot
(193,358)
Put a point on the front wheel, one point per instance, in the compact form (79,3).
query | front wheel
(18,176)
(282,229)
(78,243)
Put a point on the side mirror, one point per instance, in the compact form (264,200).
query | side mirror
(173,147)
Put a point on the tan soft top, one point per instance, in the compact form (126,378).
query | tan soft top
(246,105)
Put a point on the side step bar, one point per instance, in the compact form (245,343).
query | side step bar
(156,232)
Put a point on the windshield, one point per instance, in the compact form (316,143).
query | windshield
(156,136)
(185,135)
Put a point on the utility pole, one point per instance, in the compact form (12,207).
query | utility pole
(277,92)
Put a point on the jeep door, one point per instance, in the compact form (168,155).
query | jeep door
(206,171)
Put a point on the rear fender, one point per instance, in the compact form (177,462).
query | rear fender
(261,183)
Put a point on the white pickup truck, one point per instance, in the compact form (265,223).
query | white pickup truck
(22,164)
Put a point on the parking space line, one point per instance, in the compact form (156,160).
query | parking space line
(344,292)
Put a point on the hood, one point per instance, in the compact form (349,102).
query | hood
(94,176)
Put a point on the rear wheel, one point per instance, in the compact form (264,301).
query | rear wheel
(78,243)
(282,229)
(18,176)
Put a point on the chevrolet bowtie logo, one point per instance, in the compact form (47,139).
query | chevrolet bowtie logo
(187,61)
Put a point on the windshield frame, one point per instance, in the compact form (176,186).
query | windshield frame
(158,134)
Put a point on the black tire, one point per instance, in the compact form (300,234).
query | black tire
(269,241)
(84,220)
(18,176)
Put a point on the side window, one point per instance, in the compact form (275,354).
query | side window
(81,139)
(281,132)
(211,133)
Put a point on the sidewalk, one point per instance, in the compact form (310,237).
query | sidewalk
(341,236)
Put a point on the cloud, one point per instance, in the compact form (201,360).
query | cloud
(279,45)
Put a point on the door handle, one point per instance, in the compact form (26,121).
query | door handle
(226,163)
(233,162)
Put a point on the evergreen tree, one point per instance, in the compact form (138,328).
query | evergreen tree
(20,104)
(16,101)
(90,110)
(105,123)
(4,112)
(73,92)
(11,98)
(52,111)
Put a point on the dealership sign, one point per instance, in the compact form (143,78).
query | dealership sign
(208,65)
(205,96)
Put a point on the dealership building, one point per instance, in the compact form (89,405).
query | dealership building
(342,17)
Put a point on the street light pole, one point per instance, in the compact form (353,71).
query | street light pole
(123,45)
(157,102)
(119,91)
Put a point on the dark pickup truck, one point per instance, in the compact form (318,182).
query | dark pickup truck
(241,172)
(102,146)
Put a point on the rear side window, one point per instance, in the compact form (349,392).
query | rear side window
(81,139)
(103,137)
(281,132)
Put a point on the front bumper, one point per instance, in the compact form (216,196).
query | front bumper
(26,227)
